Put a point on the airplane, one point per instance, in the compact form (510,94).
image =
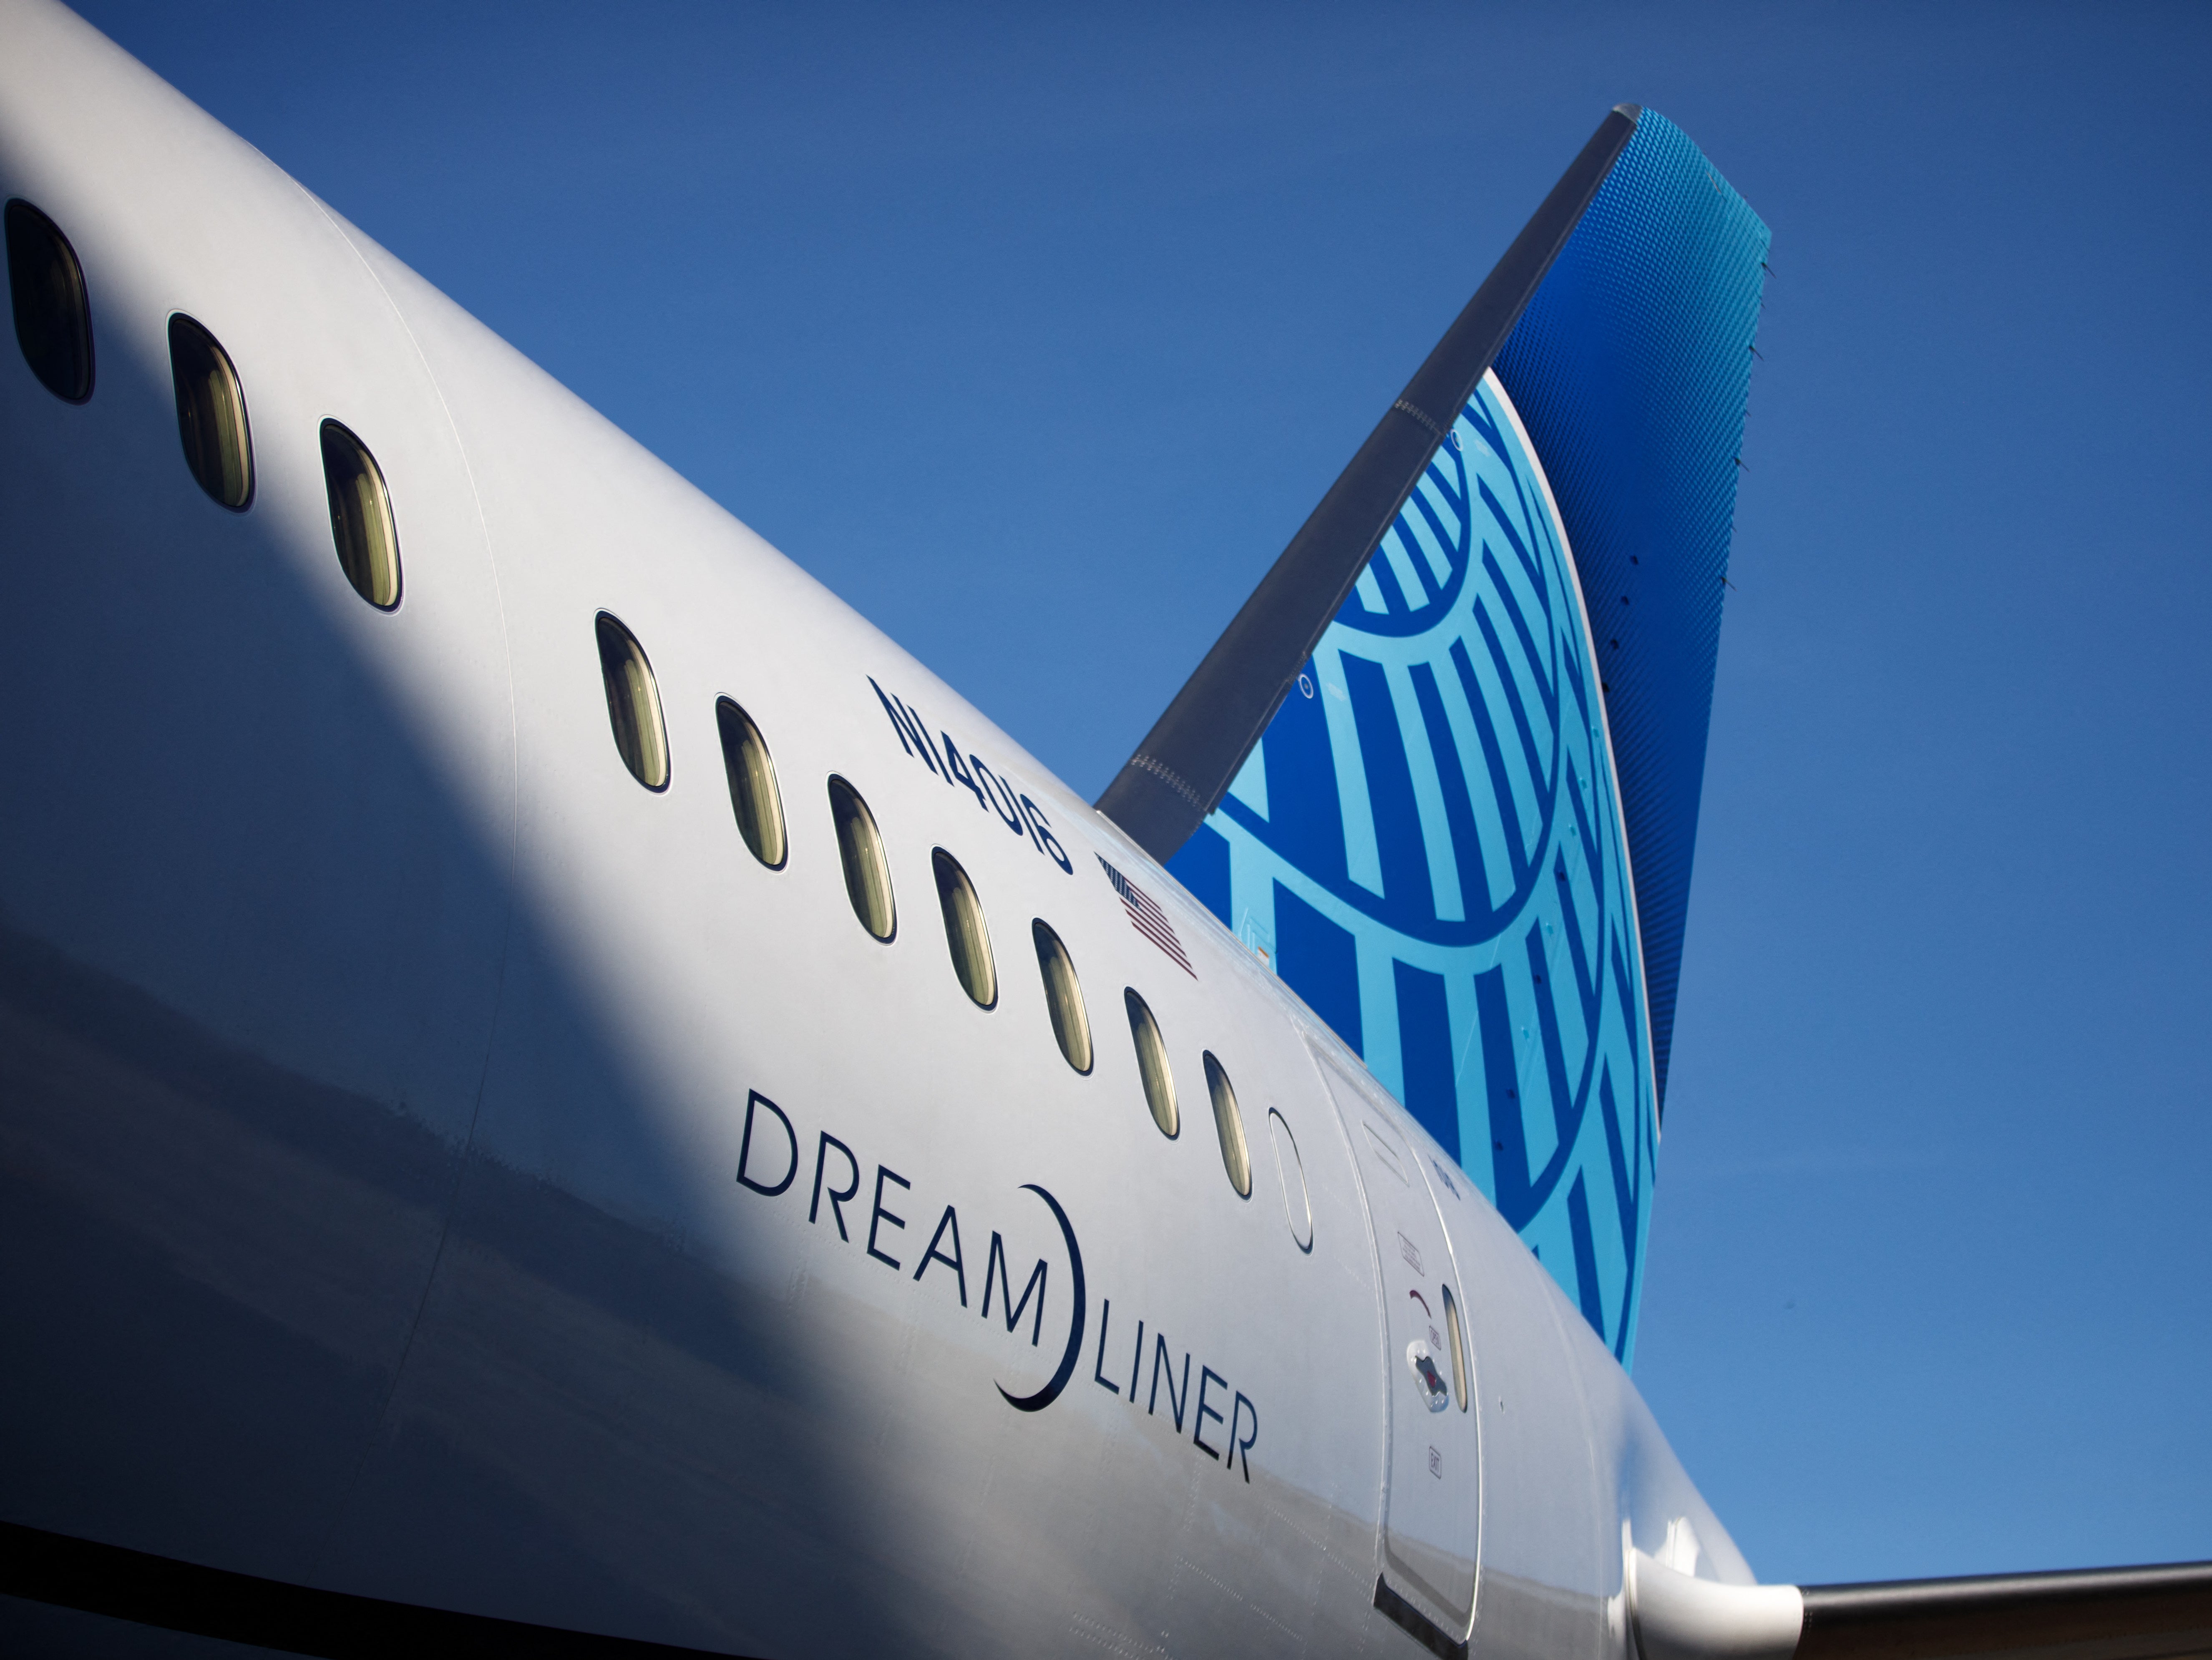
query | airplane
(563,1094)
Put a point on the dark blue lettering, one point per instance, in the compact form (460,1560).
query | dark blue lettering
(1042,831)
(960,774)
(914,725)
(995,1272)
(1175,1398)
(897,710)
(755,1098)
(1098,1366)
(933,1255)
(1137,1363)
(1206,1375)
(881,1215)
(1236,1413)
(836,1199)
(999,792)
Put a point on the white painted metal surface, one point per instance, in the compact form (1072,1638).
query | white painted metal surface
(439,1169)
(1679,1616)
(1432,1495)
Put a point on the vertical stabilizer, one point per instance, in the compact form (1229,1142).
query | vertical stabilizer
(1630,369)
(1482,675)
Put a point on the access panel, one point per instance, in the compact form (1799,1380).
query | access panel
(1432,1496)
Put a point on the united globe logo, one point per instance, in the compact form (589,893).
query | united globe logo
(1426,844)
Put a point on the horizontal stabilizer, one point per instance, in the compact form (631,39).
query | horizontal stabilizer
(2162,1613)
(2097,1614)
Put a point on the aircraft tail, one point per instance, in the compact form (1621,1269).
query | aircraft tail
(1442,769)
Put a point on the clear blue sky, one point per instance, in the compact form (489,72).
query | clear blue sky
(1036,333)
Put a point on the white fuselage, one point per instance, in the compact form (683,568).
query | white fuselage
(379,1058)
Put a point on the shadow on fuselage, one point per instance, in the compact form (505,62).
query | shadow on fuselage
(289,1291)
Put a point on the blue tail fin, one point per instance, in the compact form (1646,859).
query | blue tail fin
(1632,371)
(1464,835)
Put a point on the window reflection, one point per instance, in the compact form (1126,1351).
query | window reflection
(633,704)
(1152,1064)
(1063,996)
(54,318)
(754,796)
(1229,1125)
(211,415)
(965,936)
(360,517)
(867,872)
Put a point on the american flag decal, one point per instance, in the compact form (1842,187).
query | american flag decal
(1147,918)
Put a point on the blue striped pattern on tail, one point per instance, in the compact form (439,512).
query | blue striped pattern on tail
(1429,843)
(1427,846)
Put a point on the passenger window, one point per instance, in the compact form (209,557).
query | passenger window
(360,517)
(1458,1348)
(633,704)
(867,873)
(211,415)
(1152,1064)
(1290,1169)
(964,933)
(1063,996)
(753,794)
(1229,1125)
(53,318)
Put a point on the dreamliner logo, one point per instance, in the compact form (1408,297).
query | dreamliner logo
(772,1171)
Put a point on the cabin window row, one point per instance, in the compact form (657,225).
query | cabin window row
(634,715)
(53,312)
(53,327)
